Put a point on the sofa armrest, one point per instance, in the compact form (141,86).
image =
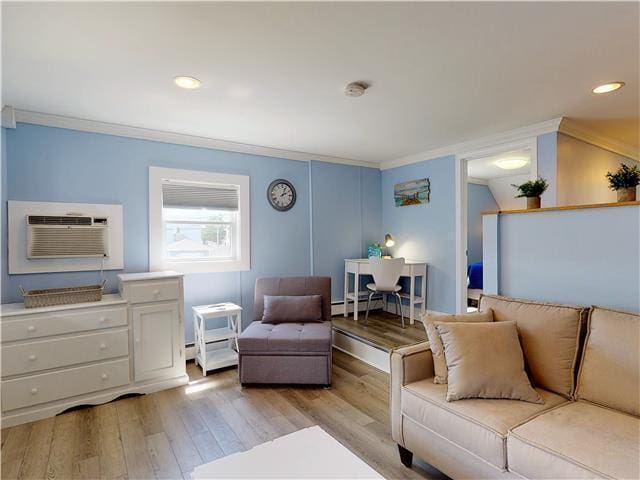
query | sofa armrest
(408,364)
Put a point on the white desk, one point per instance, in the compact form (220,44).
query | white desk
(412,269)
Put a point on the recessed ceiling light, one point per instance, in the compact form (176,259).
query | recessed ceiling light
(608,87)
(189,83)
(511,163)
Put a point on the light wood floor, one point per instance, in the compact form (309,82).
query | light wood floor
(167,434)
(382,329)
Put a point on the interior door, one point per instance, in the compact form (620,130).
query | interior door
(156,344)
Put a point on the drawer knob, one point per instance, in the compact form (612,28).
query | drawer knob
(31,328)
(34,391)
(156,293)
(32,358)
(103,319)
(103,346)
(104,376)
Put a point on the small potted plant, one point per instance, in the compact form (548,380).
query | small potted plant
(532,190)
(624,182)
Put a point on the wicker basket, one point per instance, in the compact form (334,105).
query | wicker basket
(62,296)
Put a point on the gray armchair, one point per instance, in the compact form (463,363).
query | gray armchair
(287,353)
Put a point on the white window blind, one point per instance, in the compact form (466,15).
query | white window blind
(176,195)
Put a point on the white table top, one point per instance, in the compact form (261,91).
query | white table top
(366,260)
(310,453)
(217,309)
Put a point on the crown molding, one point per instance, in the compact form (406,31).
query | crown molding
(8,117)
(119,130)
(477,181)
(508,136)
(573,129)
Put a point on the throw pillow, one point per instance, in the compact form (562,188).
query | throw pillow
(485,360)
(292,309)
(439,363)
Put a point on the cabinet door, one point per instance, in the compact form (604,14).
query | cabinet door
(157,352)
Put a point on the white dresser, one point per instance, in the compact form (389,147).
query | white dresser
(54,358)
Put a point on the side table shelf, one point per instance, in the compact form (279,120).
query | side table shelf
(224,354)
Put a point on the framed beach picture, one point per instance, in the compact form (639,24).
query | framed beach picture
(413,192)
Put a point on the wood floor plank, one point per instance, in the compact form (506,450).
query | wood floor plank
(135,450)
(163,460)
(235,420)
(36,455)
(181,442)
(63,446)
(87,468)
(222,432)
(110,451)
(13,450)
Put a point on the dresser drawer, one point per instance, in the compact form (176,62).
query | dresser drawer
(61,352)
(56,323)
(47,387)
(152,291)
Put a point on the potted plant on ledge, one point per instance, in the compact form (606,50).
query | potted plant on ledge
(624,182)
(532,190)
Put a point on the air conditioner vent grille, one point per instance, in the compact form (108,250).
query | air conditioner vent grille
(58,220)
(69,241)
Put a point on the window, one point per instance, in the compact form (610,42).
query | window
(198,221)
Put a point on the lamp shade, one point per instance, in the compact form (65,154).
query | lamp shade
(388,240)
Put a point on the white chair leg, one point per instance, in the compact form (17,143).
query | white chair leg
(401,312)
(366,315)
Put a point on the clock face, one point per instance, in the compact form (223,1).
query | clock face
(281,195)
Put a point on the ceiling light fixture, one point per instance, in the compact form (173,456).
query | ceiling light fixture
(190,83)
(511,163)
(608,87)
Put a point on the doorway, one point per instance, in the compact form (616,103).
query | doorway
(484,183)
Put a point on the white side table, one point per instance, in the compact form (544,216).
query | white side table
(226,353)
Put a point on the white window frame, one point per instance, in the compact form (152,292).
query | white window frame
(157,260)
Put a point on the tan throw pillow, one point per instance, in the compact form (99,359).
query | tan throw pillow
(439,363)
(485,360)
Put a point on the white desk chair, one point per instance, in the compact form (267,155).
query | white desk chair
(386,273)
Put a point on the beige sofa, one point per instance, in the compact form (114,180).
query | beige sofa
(584,363)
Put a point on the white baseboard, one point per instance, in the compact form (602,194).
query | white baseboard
(362,351)
(338,307)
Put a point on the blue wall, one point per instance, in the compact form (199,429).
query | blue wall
(584,257)
(59,165)
(346,217)
(426,232)
(479,199)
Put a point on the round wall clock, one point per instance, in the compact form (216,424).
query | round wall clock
(281,195)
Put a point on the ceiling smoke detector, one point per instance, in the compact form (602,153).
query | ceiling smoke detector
(355,89)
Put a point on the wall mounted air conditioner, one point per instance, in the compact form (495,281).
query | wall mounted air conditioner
(67,236)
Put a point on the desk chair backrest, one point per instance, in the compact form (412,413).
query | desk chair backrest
(386,272)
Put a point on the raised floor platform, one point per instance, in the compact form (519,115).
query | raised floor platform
(372,341)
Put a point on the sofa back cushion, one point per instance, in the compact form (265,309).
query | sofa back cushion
(292,286)
(550,336)
(292,308)
(610,368)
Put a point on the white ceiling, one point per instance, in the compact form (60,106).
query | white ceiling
(273,73)
(486,168)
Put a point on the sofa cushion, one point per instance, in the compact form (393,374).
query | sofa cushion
(610,368)
(286,337)
(292,308)
(479,426)
(576,440)
(550,336)
(485,360)
(435,342)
